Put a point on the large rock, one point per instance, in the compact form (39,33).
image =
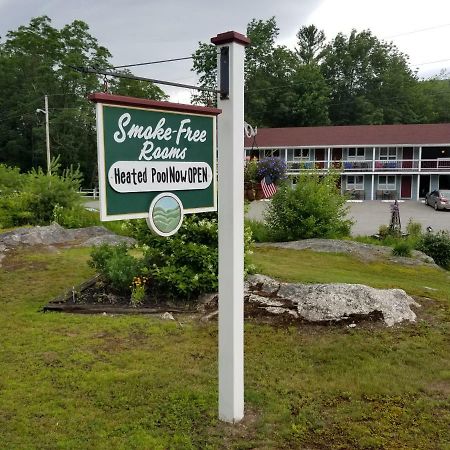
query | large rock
(335,302)
(329,302)
(55,234)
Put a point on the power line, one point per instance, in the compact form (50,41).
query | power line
(431,62)
(419,30)
(152,62)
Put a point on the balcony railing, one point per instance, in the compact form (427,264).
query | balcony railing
(349,166)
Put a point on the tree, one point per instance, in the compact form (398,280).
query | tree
(436,90)
(310,44)
(37,60)
(370,80)
(275,83)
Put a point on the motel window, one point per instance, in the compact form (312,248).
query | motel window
(355,182)
(356,153)
(388,153)
(272,153)
(386,182)
(301,154)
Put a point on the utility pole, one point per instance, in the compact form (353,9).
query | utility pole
(47,131)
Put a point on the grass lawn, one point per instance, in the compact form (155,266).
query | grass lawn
(117,382)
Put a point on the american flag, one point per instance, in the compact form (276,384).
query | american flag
(268,187)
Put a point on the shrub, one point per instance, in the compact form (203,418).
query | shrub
(182,266)
(116,265)
(314,208)
(402,248)
(44,191)
(75,217)
(414,229)
(31,198)
(436,245)
(251,171)
(11,180)
(274,168)
(260,231)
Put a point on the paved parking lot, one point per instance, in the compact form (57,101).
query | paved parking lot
(369,215)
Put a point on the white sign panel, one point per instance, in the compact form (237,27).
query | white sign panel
(142,176)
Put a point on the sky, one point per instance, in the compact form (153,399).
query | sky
(137,31)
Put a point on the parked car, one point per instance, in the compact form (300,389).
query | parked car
(439,199)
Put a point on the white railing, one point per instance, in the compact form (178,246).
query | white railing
(90,193)
(370,165)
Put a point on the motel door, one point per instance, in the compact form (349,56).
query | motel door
(406,186)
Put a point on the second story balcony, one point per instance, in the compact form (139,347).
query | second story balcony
(371,166)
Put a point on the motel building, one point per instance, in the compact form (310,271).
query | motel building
(376,162)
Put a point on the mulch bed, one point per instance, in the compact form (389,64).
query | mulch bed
(95,297)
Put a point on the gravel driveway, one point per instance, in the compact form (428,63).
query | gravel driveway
(369,215)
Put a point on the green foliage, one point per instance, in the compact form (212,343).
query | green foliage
(436,245)
(251,171)
(371,81)
(414,229)
(10,179)
(44,191)
(180,267)
(260,231)
(36,59)
(32,198)
(402,248)
(313,208)
(138,291)
(76,216)
(117,266)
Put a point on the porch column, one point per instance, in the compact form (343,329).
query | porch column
(373,187)
(373,159)
(328,157)
(418,187)
(420,158)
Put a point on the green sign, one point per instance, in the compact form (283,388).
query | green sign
(146,148)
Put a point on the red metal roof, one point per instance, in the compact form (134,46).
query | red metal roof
(352,136)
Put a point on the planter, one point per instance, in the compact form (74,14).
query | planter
(259,194)
(249,190)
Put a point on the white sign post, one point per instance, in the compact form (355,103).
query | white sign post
(231,47)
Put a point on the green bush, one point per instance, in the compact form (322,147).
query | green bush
(436,245)
(414,229)
(402,248)
(117,266)
(75,217)
(44,191)
(314,208)
(31,198)
(11,180)
(260,231)
(179,267)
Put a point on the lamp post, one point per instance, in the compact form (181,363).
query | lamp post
(47,131)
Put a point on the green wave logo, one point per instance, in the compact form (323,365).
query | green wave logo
(166,219)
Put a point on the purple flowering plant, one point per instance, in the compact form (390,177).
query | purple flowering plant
(273,167)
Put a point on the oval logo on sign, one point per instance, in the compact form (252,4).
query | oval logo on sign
(165,214)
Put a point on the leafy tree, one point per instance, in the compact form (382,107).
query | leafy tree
(436,90)
(310,44)
(276,85)
(37,60)
(370,80)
